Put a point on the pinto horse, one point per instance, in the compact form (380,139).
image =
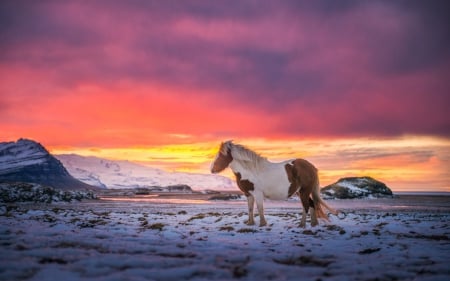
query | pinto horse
(258,178)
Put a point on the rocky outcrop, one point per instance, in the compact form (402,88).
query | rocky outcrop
(28,161)
(30,192)
(356,187)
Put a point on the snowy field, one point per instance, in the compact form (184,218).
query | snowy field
(406,238)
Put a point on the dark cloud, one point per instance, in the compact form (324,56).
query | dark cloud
(29,22)
(423,42)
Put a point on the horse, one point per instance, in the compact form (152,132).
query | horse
(259,178)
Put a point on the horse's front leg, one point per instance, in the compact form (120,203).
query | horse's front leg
(251,204)
(259,204)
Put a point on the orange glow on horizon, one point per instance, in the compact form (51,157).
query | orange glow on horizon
(404,164)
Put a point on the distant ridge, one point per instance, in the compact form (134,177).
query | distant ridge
(119,174)
(28,161)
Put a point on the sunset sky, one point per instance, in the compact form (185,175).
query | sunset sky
(356,87)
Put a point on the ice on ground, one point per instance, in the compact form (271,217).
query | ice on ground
(118,240)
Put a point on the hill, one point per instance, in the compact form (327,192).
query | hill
(28,161)
(356,187)
(114,174)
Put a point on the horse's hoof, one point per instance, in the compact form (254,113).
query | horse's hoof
(250,223)
(262,224)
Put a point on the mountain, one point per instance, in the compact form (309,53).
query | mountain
(28,161)
(356,187)
(124,174)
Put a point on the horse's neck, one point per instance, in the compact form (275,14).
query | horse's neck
(249,167)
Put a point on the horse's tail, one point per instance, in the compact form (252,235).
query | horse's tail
(319,202)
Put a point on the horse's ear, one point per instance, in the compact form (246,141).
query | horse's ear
(226,147)
(229,145)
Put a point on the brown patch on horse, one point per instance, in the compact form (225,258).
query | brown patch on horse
(244,185)
(306,178)
(223,159)
(292,177)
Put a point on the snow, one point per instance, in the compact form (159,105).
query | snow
(404,238)
(15,155)
(124,174)
(352,187)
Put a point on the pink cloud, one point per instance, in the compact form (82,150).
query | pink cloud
(311,69)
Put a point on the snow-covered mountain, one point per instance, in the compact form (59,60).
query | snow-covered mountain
(124,174)
(28,161)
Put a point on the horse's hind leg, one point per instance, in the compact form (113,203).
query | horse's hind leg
(251,204)
(303,221)
(305,203)
(314,220)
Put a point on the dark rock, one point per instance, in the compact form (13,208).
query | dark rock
(179,188)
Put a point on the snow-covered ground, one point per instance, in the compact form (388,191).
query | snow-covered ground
(406,238)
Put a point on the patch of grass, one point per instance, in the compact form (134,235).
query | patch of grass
(52,260)
(84,246)
(156,226)
(304,260)
(197,217)
(165,214)
(178,255)
(48,218)
(93,223)
(369,251)
(247,230)
(20,247)
(226,228)
(144,222)
(74,220)
(309,232)
(333,227)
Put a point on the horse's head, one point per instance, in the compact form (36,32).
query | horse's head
(223,158)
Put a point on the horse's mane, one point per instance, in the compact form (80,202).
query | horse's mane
(250,158)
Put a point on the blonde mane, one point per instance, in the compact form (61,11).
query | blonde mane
(246,157)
